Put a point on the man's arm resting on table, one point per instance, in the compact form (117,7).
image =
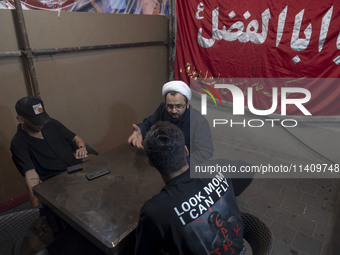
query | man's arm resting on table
(81,152)
(32,179)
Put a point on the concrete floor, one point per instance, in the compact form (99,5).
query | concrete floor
(302,211)
(302,214)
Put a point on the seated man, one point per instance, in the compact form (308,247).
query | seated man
(176,109)
(42,146)
(188,216)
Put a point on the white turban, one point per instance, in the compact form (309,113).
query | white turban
(178,86)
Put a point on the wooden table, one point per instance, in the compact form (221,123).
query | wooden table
(105,210)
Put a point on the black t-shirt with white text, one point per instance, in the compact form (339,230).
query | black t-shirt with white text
(191,216)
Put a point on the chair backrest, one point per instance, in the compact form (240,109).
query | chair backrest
(91,150)
(257,234)
(14,226)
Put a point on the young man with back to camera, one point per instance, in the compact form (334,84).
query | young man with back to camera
(188,216)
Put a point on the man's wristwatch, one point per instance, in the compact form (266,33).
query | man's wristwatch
(82,146)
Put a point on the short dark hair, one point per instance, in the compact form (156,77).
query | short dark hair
(174,93)
(164,146)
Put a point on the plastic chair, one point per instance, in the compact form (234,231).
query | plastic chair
(91,150)
(257,235)
(14,226)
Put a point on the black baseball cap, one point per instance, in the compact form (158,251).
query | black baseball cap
(32,108)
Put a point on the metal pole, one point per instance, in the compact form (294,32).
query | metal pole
(31,79)
(6,54)
(52,51)
(172,37)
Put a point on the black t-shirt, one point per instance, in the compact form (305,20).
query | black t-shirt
(191,216)
(48,156)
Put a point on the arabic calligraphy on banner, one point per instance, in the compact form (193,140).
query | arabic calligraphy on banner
(264,38)
(154,7)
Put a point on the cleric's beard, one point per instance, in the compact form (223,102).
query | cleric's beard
(176,120)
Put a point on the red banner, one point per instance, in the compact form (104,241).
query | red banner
(263,38)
